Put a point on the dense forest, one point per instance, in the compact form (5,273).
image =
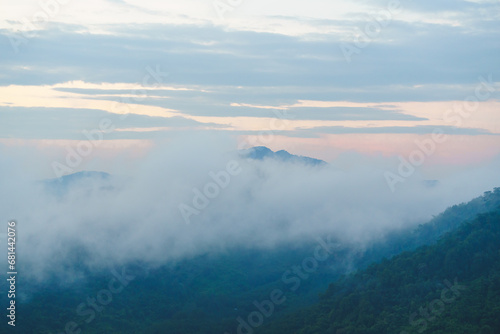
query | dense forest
(450,287)
(392,286)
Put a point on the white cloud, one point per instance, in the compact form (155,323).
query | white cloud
(267,204)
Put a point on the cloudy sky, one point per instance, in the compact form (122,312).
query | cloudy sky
(318,78)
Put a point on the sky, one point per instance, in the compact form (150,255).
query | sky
(392,94)
(322,77)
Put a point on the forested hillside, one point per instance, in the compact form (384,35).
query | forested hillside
(450,287)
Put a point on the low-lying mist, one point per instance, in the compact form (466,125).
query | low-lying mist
(187,199)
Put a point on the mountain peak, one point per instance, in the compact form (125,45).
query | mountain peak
(262,152)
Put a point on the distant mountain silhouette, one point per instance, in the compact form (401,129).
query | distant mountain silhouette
(262,152)
(60,186)
(71,178)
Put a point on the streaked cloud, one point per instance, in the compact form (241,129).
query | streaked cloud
(238,73)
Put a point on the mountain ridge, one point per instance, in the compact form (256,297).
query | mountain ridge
(262,153)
